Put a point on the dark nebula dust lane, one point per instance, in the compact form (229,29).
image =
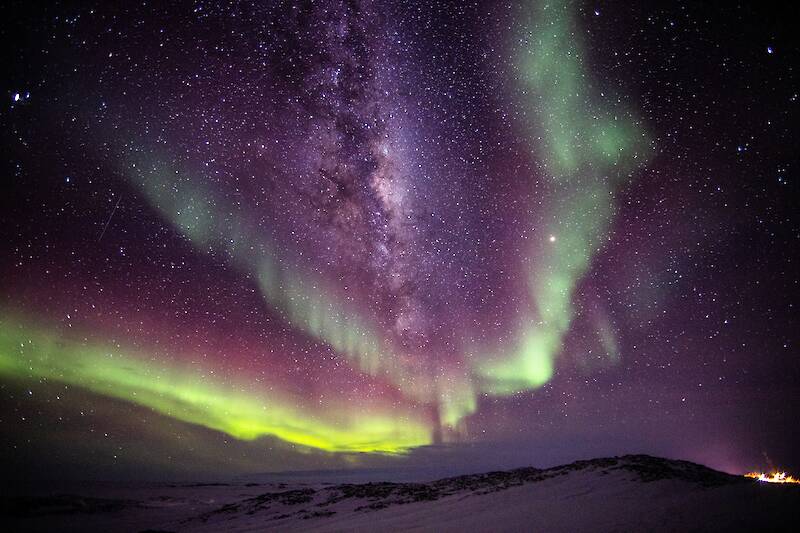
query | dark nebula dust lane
(251,236)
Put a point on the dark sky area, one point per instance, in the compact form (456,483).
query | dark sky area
(243,237)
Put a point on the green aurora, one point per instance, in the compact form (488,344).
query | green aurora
(588,145)
(190,395)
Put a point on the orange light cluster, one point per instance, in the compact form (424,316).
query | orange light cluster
(775,477)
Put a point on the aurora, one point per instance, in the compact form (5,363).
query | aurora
(589,150)
(188,394)
(355,234)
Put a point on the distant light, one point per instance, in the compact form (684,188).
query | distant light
(775,477)
(16,97)
(596,12)
(769,49)
(552,238)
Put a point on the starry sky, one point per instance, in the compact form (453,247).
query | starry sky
(246,237)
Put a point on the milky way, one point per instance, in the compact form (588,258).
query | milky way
(327,228)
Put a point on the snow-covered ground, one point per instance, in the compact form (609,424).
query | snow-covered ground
(631,493)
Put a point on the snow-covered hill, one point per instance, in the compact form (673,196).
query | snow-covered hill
(630,493)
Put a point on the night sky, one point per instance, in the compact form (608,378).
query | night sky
(251,237)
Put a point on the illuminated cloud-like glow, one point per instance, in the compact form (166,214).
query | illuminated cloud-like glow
(589,147)
(189,394)
(306,301)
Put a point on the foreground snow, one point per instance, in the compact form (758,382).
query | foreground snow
(631,493)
